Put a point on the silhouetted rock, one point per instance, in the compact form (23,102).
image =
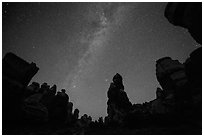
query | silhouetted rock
(170,74)
(85,120)
(118,102)
(48,100)
(32,89)
(63,95)
(34,110)
(182,88)
(59,110)
(44,88)
(16,74)
(118,81)
(69,112)
(89,118)
(179,98)
(179,101)
(53,89)
(83,123)
(17,69)
(70,107)
(76,114)
(157,105)
(187,15)
(193,67)
(100,121)
(159,93)
(34,86)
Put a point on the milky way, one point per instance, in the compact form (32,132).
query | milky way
(108,17)
(81,46)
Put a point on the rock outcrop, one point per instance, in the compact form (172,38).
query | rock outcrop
(179,97)
(32,104)
(181,84)
(16,74)
(17,70)
(170,73)
(118,102)
(187,15)
(157,105)
(34,110)
(193,67)
(172,77)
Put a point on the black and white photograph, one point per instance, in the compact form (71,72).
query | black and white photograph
(101,68)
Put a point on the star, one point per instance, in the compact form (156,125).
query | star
(74,54)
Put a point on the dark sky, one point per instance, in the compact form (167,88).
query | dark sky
(81,46)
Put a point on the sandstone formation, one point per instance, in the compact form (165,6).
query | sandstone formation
(34,103)
(187,15)
(118,102)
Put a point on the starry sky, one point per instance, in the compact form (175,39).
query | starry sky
(81,46)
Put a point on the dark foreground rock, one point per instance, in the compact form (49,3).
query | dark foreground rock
(177,109)
(187,15)
(178,101)
(118,102)
(31,106)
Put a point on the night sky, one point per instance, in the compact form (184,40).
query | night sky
(81,46)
